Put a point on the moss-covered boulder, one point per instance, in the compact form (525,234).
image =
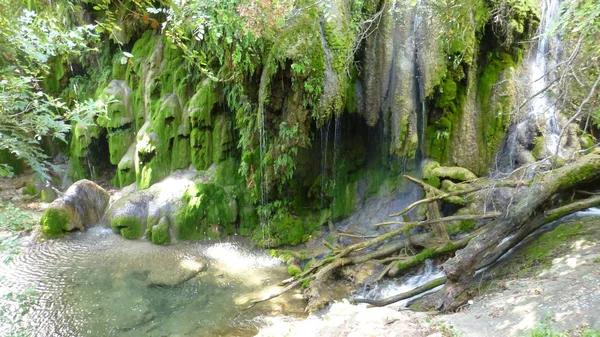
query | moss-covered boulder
(187,205)
(207,211)
(82,206)
(433,173)
(128,215)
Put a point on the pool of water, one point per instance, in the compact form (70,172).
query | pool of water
(96,283)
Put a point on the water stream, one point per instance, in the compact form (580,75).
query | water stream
(98,284)
(541,113)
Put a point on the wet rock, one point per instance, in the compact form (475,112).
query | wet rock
(82,206)
(48,194)
(128,215)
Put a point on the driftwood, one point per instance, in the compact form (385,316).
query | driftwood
(530,208)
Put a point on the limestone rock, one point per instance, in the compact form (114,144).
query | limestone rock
(82,206)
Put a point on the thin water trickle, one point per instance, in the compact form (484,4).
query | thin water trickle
(324,151)
(98,284)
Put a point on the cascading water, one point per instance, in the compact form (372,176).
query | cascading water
(324,150)
(541,65)
(419,89)
(541,111)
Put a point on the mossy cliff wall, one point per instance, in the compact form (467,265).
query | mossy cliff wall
(306,117)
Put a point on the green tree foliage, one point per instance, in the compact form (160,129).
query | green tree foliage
(33,37)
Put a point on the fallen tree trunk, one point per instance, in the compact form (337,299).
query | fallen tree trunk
(531,205)
(461,268)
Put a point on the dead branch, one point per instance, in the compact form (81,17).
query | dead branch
(441,220)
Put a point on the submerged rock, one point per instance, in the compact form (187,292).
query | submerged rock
(82,206)
(174,275)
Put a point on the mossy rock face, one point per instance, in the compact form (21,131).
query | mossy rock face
(82,206)
(207,211)
(126,169)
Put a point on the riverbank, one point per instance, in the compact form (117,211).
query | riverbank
(549,286)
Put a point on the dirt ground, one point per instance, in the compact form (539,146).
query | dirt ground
(556,286)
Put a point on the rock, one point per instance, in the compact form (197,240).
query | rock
(82,206)
(48,194)
(182,206)
(128,216)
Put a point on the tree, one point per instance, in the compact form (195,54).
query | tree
(34,36)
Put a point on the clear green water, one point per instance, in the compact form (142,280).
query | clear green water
(99,284)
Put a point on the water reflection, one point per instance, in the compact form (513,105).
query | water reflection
(99,284)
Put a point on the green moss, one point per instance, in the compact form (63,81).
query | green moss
(587,141)
(159,234)
(427,172)
(30,189)
(118,144)
(222,141)
(458,227)
(344,200)
(129,227)
(539,144)
(47,195)
(281,231)
(206,212)
(417,259)
(454,173)
(82,138)
(294,270)
(538,253)
(55,222)
(201,110)
(495,101)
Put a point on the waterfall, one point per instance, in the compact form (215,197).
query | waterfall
(540,115)
(264,184)
(324,148)
(419,90)
(542,106)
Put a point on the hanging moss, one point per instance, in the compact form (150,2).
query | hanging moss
(200,113)
(82,138)
(495,98)
(53,82)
